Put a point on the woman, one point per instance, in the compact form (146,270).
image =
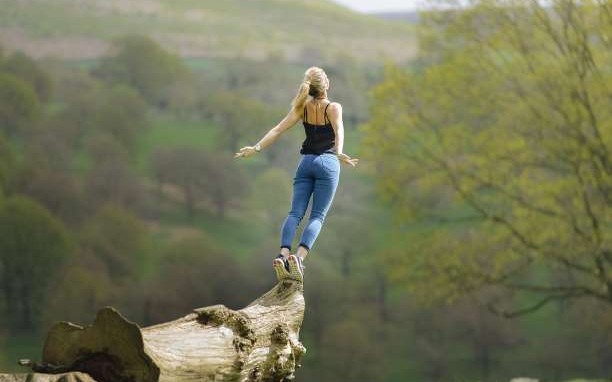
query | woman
(318,171)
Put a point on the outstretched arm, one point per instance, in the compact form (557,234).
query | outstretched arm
(271,136)
(335,113)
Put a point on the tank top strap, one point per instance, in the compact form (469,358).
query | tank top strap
(305,113)
(325,113)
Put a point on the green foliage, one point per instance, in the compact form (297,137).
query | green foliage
(19,104)
(33,248)
(240,119)
(194,271)
(110,177)
(88,112)
(96,289)
(117,238)
(142,63)
(506,135)
(122,113)
(266,207)
(28,70)
(7,161)
(50,186)
(224,182)
(170,130)
(206,176)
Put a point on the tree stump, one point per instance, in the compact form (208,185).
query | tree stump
(257,343)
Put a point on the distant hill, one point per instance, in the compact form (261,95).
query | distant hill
(411,17)
(296,30)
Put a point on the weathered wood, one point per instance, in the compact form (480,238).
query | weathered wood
(38,377)
(257,343)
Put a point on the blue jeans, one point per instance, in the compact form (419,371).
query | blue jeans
(316,175)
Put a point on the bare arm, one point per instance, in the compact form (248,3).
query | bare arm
(335,114)
(271,136)
(335,117)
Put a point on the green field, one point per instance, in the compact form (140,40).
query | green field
(171,132)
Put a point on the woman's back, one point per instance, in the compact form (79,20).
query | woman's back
(315,113)
(320,136)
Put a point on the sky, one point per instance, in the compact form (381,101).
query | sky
(381,5)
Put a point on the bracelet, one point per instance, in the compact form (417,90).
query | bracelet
(258,147)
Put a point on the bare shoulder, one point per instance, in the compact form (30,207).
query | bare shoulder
(335,108)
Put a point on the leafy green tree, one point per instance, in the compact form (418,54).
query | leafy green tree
(28,70)
(485,336)
(7,162)
(80,290)
(77,94)
(116,237)
(142,63)
(351,351)
(223,182)
(183,167)
(58,191)
(350,83)
(33,248)
(19,104)
(88,107)
(194,272)
(202,176)
(122,113)
(49,147)
(240,119)
(270,208)
(500,147)
(110,177)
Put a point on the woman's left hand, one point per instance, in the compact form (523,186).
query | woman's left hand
(347,159)
(245,152)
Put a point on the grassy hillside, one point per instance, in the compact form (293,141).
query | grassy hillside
(411,17)
(296,30)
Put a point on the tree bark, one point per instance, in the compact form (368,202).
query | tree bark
(38,377)
(257,343)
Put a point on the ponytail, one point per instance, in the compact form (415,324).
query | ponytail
(315,83)
(300,99)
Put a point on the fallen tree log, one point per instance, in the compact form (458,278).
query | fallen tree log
(257,343)
(37,377)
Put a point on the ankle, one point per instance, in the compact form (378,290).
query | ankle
(302,251)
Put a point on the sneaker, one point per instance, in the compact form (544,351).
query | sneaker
(281,257)
(296,268)
(281,267)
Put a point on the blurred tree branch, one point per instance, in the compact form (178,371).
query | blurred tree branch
(509,121)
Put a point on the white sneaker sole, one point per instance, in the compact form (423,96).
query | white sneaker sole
(294,269)
(281,271)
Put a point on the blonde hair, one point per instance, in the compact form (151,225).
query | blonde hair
(314,84)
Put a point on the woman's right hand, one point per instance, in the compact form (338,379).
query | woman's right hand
(347,159)
(245,152)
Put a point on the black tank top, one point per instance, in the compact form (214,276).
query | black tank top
(319,138)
